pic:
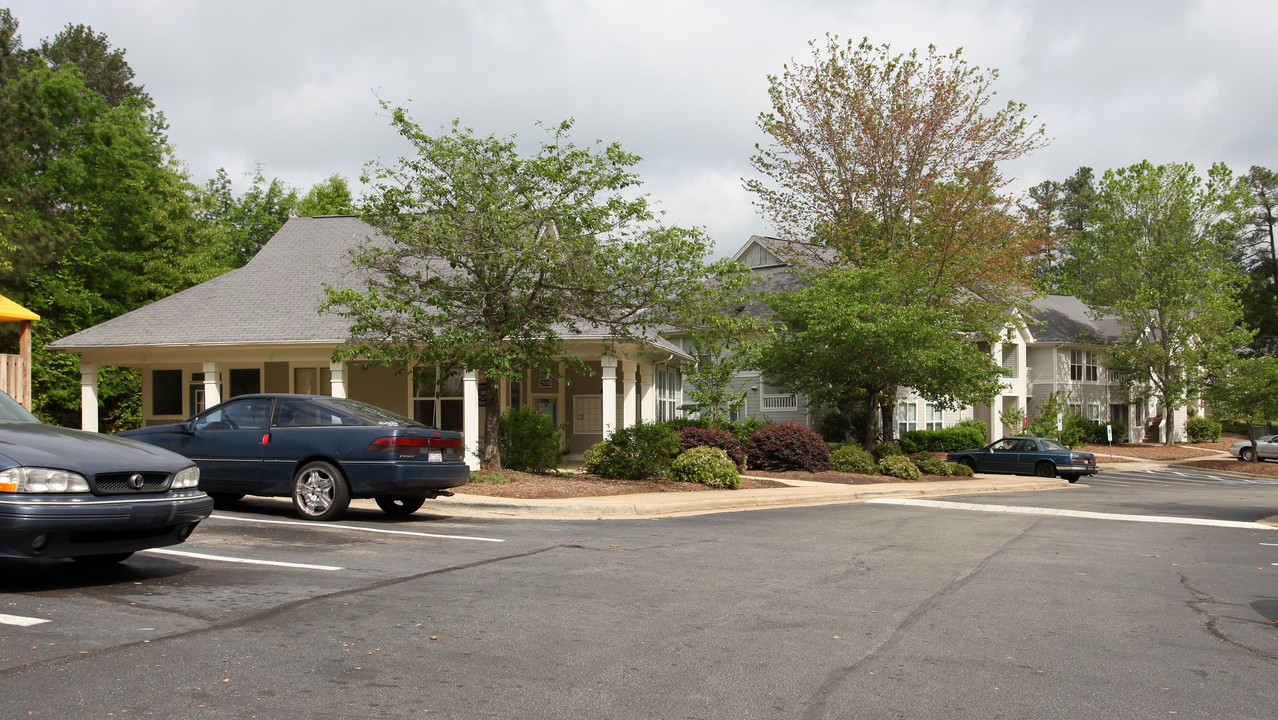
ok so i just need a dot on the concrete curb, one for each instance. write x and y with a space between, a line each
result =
652 505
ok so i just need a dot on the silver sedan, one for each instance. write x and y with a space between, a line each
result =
1266 448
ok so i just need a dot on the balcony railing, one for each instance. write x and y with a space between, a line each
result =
781 402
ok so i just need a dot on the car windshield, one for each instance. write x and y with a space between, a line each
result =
11 409
367 413
1053 445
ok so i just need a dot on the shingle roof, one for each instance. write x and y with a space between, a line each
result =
1065 319
273 299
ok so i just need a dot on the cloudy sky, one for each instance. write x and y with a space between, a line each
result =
294 85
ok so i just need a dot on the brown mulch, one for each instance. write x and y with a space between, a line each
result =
531 486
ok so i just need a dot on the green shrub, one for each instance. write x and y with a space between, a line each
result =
899 466
635 453
1202 429
852 459
960 470
884 449
979 426
528 441
788 446
930 464
706 465
958 437
692 437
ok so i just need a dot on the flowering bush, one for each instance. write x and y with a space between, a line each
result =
706 465
692 437
899 466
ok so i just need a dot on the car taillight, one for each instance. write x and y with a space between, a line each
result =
405 445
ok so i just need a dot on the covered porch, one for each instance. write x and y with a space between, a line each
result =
15 370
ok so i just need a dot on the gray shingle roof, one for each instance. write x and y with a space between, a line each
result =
1065 319
272 299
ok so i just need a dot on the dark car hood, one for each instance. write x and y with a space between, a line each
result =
37 445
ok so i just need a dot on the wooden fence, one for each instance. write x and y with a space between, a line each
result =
15 379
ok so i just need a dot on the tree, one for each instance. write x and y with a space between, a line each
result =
97 216
1158 257
1245 387
890 162
724 346
1258 255
855 335
493 257
1059 209
330 197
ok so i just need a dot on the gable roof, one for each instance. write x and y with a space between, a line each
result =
273 299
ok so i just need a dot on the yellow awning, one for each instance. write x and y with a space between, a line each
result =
11 311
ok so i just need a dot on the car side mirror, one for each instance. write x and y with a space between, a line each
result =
188 427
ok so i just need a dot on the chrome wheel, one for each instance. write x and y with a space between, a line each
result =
319 491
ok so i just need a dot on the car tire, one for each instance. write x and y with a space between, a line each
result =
969 463
1071 478
103 559
1247 454
398 504
1045 470
320 492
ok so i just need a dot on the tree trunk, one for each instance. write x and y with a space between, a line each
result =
491 457
871 426
885 412
1170 417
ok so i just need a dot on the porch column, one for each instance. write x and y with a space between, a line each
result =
24 351
647 393
212 395
627 393
88 397
609 391
337 385
470 417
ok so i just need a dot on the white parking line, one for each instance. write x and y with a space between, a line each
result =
19 620
243 561
1014 510
331 526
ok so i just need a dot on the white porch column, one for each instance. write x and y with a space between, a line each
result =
627 393
647 393
337 386
609 408
470 417
212 395
88 397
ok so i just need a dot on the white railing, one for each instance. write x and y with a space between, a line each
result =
781 402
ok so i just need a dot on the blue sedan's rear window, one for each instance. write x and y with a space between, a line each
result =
365 413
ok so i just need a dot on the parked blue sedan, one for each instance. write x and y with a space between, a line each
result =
321 451
1043 457
94 498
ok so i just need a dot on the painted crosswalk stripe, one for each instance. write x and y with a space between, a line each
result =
19 620
356 528
1014 510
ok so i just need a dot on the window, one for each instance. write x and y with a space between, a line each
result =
906 418
248 414
1092 367
935 418
1093 412
245 381
1075 364
436 402
668 382
166 392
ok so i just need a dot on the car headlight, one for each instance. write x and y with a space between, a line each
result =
42 480
186 478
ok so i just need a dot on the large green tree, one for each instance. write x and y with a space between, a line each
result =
97 216
1158 256
854 335
1246 388
891 162
1258 256
495 256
